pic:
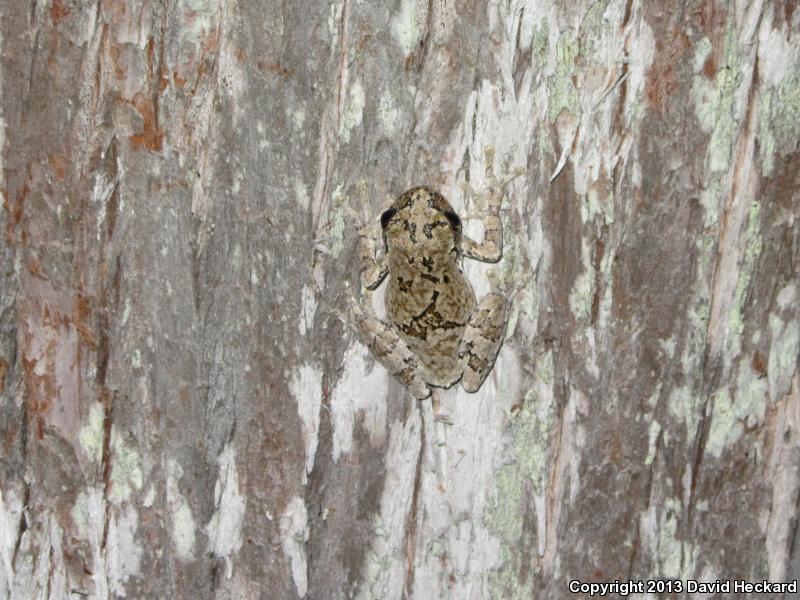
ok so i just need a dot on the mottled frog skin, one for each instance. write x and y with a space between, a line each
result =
435 332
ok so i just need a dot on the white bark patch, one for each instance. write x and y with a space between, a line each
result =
231 77
183 525
404 26
2 141
126 473
784 471
389 114
294 535
652 434
306 387
673 557
123 554
778 53
385 568
10 515
358 391
224 530
308 309
785 345
354 112
50 570
641 54
582 293
301 194
88 515
91 434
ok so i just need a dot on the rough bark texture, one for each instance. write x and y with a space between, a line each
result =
182 414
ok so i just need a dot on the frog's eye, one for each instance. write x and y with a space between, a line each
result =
387 216
455 222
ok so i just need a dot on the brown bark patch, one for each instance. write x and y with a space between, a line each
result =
709 19
114 51
662 79
80 314
151 137
3 372
758 364
276 68
58 11
35 269
58 165
14 210
710 66
50 352
179 81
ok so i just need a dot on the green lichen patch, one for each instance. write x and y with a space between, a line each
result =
676 558
516 484
786 114
595 26
753 249
540 45
724 424
562 94
714 101
728 79
746 407
779 121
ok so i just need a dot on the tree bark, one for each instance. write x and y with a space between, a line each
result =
183 414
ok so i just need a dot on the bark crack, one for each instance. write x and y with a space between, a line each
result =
106 462
329 127
637 539
23 525
713 344
410 541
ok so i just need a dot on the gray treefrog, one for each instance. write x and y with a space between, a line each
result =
435 332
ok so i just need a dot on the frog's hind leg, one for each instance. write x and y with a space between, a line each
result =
482 339
389 349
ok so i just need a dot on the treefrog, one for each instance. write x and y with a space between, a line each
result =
436 332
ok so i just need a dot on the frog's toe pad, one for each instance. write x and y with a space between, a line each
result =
471 381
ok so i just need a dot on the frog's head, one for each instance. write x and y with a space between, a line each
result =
421 222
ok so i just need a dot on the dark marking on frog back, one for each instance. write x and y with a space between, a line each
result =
428 319
412 229
428 228
405 285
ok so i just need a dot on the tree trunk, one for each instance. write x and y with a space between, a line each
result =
183 414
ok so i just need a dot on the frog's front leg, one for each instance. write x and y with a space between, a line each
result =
482 338
374 265
370 249
491 249
487 210
389 349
